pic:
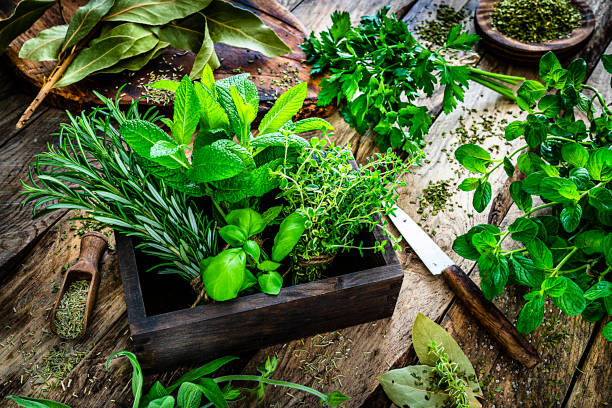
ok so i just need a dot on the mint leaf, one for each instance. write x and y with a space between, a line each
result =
211 163
482 196
523 230
531 315
493 273
572 301
142 135
186 112
285 108
473 157
540 254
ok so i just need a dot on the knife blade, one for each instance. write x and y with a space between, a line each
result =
489 316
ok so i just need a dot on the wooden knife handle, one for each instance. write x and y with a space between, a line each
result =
490 317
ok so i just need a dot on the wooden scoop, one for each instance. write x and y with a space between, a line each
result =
93 245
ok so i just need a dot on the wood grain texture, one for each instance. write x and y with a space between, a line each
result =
520 52
266 72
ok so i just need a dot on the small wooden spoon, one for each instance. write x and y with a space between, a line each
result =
93 245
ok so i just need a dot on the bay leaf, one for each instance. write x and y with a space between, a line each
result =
184 34
426 331
154 12
137 62
238 27
416 387
121 42
206 55
22 18
46 46
84 20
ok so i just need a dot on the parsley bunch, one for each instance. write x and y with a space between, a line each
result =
377 70
565 232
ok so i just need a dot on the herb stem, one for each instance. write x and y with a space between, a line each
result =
256 378
495 86
514 80
563 261
600 97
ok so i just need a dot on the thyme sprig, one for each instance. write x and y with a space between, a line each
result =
450 381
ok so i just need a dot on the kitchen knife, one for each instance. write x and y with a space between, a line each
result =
471 296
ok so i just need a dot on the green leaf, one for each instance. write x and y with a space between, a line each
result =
473 157
238 27
493 273
247 220
528 93
233 235
521 198
186 112
525 272
572 301
154 12
28 402
591 242
482 196
523 230
426 331
599 290
607 331
559 189
279 140
45 46
165 84
206 56
532 182
531 315
163 148
289 233
224 275
142 135
554 286
570 217
461 40
271 213
214 162
540 254
156 392
575 154
577 71
123 41
200 372
550 105
137 62
252 249
484 241
269 266
529 163
463 247
508 167
163 402
285 108
306 125
469 184
84 19
515 129
548 64
213 393
336 398
536 130
270 282
137 377
212 115
21 19
601 198
599 164
189 396
580 177
246 113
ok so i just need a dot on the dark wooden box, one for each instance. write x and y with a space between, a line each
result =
361 290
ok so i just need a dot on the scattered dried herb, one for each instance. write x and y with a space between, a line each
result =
71 310
435 197
435 31
536 20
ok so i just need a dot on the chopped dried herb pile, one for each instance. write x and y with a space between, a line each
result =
536 20
435 31
71 310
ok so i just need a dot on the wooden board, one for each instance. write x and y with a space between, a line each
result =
267 73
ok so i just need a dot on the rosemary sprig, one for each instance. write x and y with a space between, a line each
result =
91 169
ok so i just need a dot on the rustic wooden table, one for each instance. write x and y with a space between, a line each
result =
576 366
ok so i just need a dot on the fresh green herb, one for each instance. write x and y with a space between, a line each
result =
435 31
532 21
338 201
107 36
377 70
445 378
70 314
566 253
196 389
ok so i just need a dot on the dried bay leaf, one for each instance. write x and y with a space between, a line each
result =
206 55
416 387
121 42
84 20
154 12
426 331
46 46
238 27
184 34
138 62
22 18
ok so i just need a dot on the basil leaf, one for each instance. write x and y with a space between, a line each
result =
285 107
601 198
531 184
154 12
484 242
44 47
536 130
548 64
591 242
238 27
248 220
233 235
529 162
593 312
224 275
577 70
508 167
289 233
84 20
22 18
268 266
252 249
559 189
599 164
550 105
531 315
469 184
528 93
580 177
189 396
572 301
514 130
463 247
270 283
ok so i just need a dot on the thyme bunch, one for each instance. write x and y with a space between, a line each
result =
91 169
450 381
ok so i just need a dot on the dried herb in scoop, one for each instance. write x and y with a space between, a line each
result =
536 20
70 314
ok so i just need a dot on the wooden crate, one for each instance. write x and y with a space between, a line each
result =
251 322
